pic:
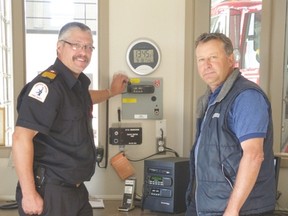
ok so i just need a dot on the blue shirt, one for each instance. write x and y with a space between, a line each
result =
246 119
249 116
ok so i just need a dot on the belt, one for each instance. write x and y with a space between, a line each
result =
63 184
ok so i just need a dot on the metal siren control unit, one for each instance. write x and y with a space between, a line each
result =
165 184
143 99
143 56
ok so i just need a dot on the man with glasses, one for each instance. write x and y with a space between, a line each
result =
53 144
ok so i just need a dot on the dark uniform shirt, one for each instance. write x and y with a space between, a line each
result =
59 107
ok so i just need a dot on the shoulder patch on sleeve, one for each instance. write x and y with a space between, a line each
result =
39 91
49 74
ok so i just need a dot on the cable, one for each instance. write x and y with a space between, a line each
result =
278 194
157 153
171 150
107 134
9 205
119 115
107 137
280 213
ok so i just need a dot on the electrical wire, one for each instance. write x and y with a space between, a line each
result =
166 149
9 205
280 213
171 150
107 134
106 138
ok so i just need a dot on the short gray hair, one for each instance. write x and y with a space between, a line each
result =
205 37
72 25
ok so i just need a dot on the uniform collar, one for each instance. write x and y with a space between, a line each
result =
67 74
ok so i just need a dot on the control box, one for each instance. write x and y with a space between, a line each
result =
165 184
125 136
143 99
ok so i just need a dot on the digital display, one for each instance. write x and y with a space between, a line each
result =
143 55
128 189
156 178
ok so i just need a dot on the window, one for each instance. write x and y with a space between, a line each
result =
241 22
6 75
43 21
284 141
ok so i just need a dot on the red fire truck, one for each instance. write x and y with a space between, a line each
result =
241 22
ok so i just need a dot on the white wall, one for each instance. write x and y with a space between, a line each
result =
162 21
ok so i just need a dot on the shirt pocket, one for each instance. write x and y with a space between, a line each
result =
73 123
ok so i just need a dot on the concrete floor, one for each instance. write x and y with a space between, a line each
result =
110 209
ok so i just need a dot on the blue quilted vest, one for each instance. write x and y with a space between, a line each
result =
219 154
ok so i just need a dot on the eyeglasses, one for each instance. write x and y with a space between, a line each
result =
77 46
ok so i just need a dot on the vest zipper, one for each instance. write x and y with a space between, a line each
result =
226 176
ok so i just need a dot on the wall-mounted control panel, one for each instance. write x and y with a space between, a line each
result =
125 136
143 99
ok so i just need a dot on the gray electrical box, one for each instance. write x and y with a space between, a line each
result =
143 99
